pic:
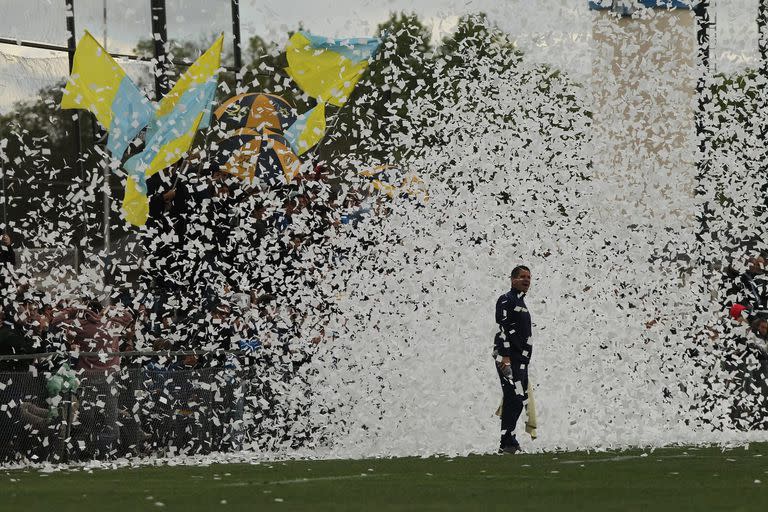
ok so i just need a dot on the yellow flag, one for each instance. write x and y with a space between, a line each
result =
94 81
181 112
135 203
307 130
328 69
185 109
203 69
100 85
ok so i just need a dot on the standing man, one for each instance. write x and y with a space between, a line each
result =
512 353
754 287
7 279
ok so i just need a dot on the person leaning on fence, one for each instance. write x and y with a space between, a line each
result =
97 329
512 354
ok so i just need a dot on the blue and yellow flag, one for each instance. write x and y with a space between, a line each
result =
328 69
185 109
180 113
100 85
307 130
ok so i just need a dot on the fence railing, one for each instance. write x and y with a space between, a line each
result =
155 403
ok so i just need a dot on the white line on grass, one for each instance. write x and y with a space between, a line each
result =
305 480
620 458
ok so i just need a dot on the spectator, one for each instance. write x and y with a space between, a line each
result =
759 327
12 342
7 262
97 329
751 287
739 313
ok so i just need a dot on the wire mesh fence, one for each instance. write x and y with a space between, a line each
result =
170 403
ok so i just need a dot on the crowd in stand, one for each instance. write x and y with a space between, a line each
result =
228 266
745 347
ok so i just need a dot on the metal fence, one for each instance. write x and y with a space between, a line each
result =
155 405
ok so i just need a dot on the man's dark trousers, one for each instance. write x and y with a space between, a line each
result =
515 394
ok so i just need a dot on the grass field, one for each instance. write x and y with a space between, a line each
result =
677 479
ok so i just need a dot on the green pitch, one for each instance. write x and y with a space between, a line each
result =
676 479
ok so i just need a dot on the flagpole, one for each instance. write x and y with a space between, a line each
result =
104 18
327 131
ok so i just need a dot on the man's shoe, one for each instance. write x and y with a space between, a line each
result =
512 449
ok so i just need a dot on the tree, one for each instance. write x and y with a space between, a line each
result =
40 163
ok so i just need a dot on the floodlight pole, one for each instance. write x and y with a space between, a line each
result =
762 47
703 24
107 191
71 46
160 37
236 34
762 35
104 19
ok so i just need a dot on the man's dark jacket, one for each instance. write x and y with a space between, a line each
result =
514 322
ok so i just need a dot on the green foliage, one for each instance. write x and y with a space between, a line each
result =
40 160
40 122
476 38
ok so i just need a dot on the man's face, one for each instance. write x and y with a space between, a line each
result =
762 328
223 183
220 314
522 281
757 265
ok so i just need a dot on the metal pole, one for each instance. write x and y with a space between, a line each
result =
762 35
762 124
703 23
702 36
107 192
236 34
5 199
71 45
65 441
104 17
160 36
